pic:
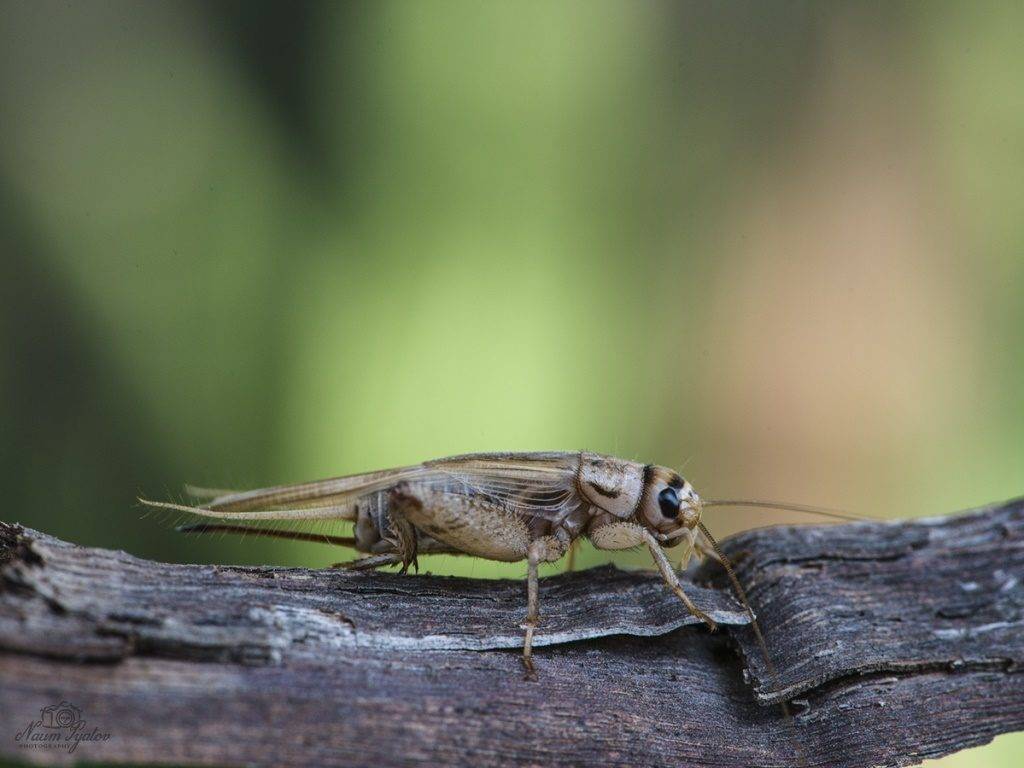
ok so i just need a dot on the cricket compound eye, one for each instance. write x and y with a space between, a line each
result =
668 501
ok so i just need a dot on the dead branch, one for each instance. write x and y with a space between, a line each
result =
894 642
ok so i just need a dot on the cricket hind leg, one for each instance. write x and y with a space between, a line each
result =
369 562
365 562
402 534
385 535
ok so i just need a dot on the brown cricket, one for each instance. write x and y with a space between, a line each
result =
499 506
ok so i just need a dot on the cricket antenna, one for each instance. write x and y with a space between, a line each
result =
785 507
742 595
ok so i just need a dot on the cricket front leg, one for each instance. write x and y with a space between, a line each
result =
622 535
546 549
669 575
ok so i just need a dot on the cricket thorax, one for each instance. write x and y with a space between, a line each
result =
610 484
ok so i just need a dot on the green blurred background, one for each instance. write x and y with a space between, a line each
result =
777 245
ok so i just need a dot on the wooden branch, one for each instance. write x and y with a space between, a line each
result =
895 642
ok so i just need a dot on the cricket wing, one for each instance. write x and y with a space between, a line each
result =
532 484
337 492
332 499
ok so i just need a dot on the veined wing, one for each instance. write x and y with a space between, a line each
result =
336 491
521 480
532 484
331 499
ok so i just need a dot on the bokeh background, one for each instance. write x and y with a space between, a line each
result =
777 245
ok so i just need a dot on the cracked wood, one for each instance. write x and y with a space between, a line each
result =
900 641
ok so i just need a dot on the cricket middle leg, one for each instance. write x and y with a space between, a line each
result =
546 549
479 527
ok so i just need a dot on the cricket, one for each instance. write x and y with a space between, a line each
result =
499 506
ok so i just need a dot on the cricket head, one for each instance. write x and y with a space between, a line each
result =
670 507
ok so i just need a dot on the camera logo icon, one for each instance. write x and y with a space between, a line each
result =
63 715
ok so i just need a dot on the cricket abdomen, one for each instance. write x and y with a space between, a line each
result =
470 524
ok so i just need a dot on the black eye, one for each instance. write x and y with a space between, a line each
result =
668 500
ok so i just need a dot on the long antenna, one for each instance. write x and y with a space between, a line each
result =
785 506
742 595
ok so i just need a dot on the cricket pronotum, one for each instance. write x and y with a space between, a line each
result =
499 506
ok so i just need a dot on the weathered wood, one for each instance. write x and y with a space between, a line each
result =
941 593
900 641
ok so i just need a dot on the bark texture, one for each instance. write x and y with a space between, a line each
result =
893 642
